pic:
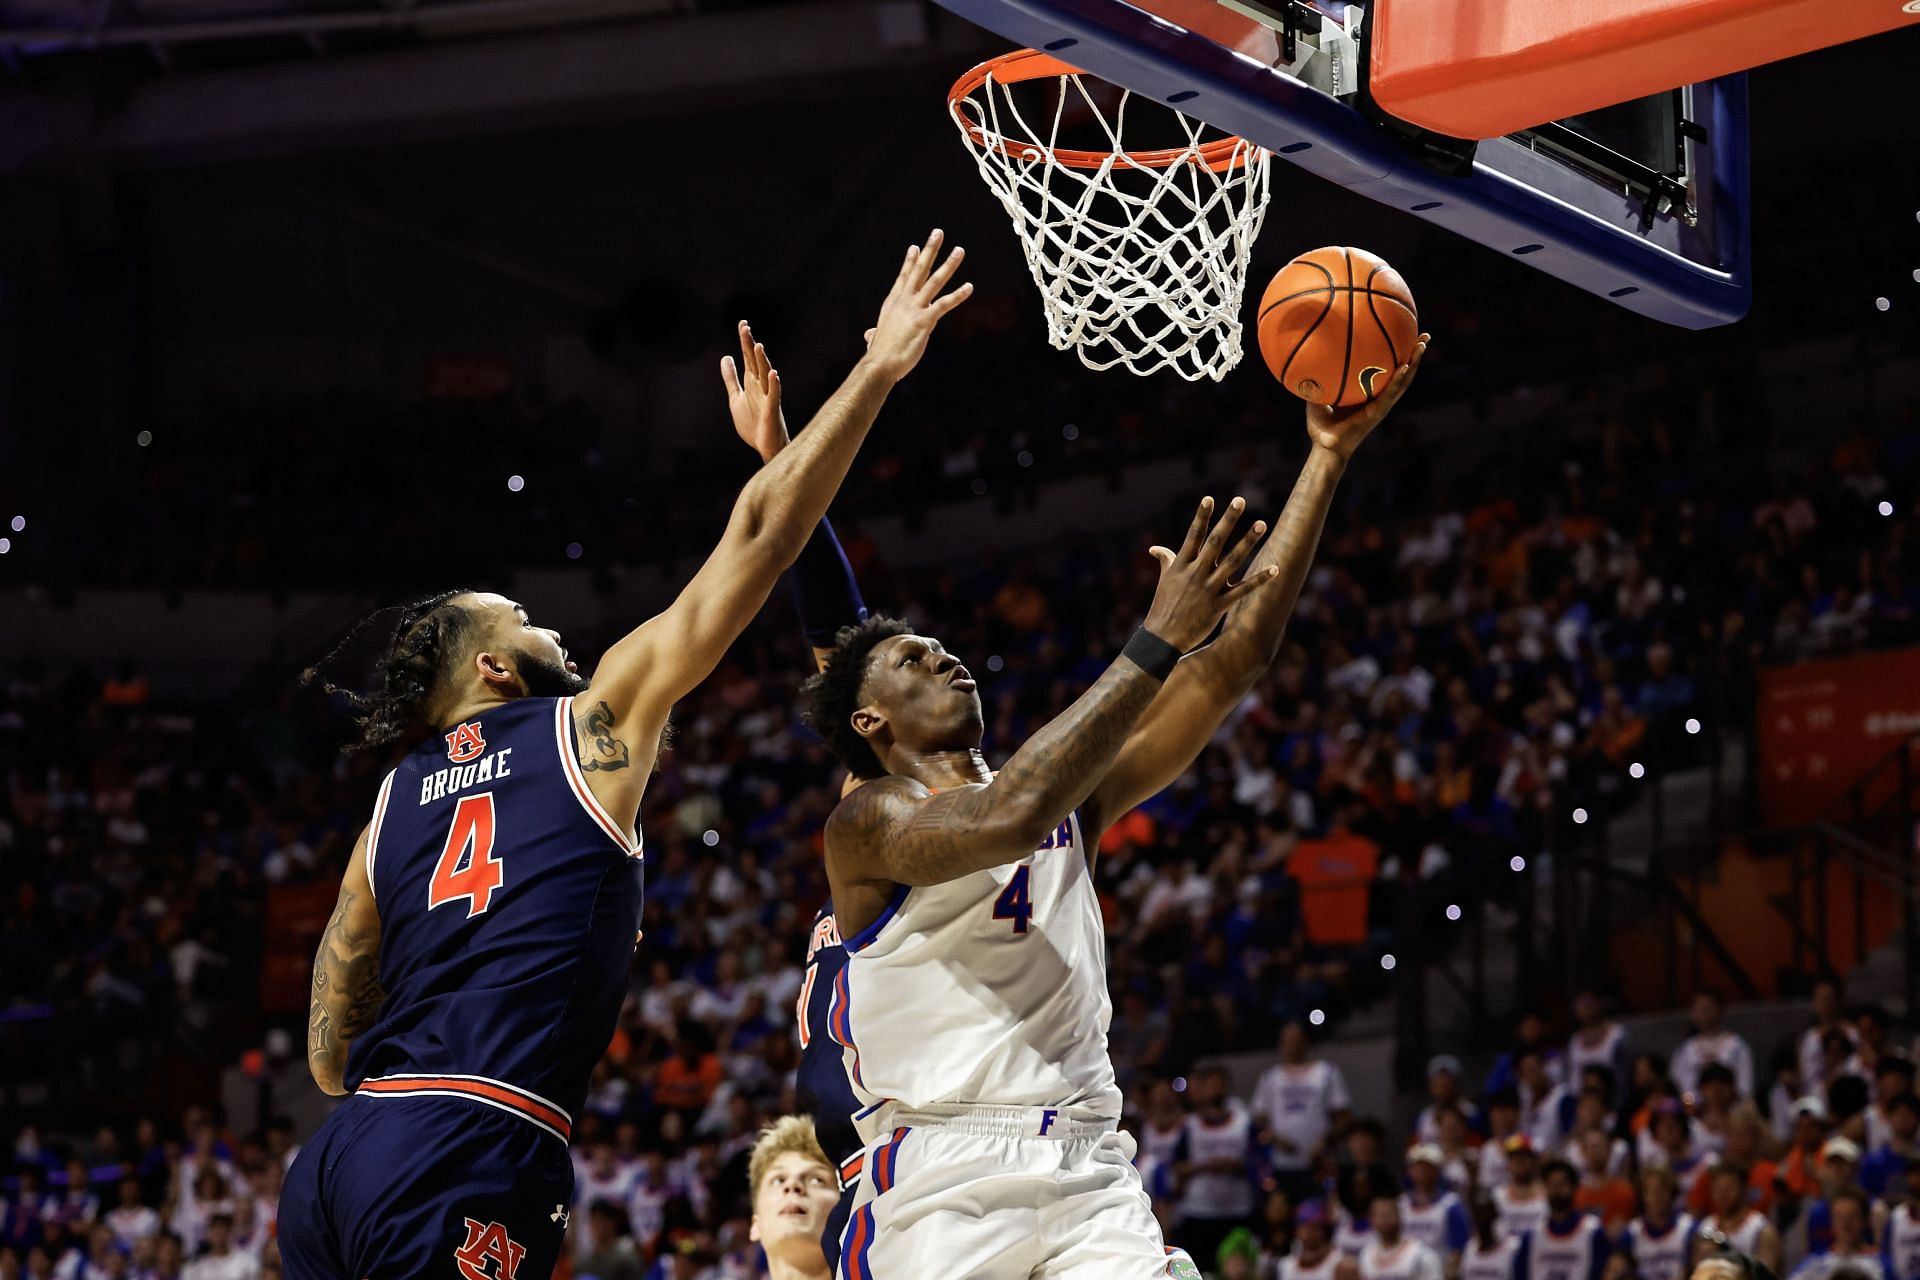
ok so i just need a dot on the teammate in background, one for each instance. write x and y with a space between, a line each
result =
794 1191
1900 1232
1711 1042
1657 1245
468 1025
1570 1245
1392 1254
1737 1223
1489 1254
1429 1212
974 1007
1852 1249
1212 1166
1298 1101
1522 1202
1313 1256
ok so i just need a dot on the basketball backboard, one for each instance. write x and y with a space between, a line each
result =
1643 203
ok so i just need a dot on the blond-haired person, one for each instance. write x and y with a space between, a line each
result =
794 1189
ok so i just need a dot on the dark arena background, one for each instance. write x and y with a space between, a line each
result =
1599 707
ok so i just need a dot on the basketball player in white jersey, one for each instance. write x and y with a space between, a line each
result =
1657 1245
1392 1254
1313 1256
1900 1237
1429 1212
973 1010
1490 1255
1569 1245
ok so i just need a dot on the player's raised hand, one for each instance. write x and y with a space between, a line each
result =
914 306
753 397
1197 584
1342 430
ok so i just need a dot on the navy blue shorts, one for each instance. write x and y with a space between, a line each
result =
438 1188
836 1224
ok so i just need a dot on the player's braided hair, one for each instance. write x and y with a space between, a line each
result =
831 697
428 640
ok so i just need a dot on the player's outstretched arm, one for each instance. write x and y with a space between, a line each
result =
1210 682
894 829
346 976
643 675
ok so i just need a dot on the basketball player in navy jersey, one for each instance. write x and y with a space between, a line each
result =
476 960
827 597
989 1106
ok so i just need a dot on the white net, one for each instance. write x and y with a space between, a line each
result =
1140 256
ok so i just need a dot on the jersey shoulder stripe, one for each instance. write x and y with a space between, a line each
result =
577 779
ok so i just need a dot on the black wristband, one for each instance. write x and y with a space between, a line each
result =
1151 654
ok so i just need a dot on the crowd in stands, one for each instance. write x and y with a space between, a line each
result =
1459 670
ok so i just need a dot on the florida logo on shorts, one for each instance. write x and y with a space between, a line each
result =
1180 1265
464 743
488 1242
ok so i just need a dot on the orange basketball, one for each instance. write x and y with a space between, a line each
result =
1335 324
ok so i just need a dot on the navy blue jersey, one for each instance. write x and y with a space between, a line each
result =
509 908
821 1084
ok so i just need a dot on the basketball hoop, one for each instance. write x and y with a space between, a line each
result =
1140 255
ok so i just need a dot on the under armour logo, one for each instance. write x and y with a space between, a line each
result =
558 1215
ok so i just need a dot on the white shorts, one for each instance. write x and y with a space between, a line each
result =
1003 1193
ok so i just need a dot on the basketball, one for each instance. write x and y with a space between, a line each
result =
1334 325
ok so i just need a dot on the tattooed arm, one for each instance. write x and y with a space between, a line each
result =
1210 682
346 977
896 831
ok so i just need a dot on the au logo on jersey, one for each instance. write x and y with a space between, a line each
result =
464 743
488 1243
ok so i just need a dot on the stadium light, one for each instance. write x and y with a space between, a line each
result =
1579 816
1317 1017
1636 770
1453 911
1517 863
1387 962
1693 726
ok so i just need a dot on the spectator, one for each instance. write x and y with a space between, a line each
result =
1597 1041
1429 1213
688 1079
1800 1166
1522 1202
1603 1192
1546 1106
1900 1233
132 1220
1734 1222
1746 1149
1391 1255
1881 1171
1459 1159
1827 1003
1443 1092
610 1253
1657 1245
219 1260
1297 1102
1711 1042
1570 1242
1212 1165
1851 1249
1892 1078
1503 1121
1490 1253
1313 1256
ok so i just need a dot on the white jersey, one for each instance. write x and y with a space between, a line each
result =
1441 1223
1901 1252
1661 1255
1218 1195
1604 1052
1407 1260
1291 1268
1515 1217
1502 1262
1745 1236
1298 1103
989 989
1578 1253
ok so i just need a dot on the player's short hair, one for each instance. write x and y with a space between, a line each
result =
788 1133
429 639
831 697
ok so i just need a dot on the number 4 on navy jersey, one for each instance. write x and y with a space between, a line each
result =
1015 902
467 868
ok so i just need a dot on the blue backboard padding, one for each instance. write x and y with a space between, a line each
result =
1580 240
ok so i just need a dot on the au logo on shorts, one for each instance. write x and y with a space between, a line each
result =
488 1243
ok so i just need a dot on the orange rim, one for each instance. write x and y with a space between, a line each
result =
1030 64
